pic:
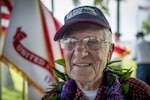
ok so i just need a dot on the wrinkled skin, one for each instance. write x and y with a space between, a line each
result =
86 66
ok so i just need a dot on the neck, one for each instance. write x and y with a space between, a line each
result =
89 85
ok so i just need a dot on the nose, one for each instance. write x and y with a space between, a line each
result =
80 50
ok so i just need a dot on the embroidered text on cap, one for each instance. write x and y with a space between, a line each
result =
80 11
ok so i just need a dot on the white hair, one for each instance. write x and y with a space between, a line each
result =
108 34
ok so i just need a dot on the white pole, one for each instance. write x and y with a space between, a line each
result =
23 90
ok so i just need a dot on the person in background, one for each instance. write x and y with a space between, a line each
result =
141 54
120 49
86 40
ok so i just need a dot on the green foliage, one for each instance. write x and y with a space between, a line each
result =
146 26
111 62
112 80
102 4
122 73
125 76
61 62
125 88
11 94
116 72
53 98
56 87
58 74
76 2
16 94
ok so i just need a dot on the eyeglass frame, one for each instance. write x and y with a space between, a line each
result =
100 42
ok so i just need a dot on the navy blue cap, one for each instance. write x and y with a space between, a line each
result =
82 14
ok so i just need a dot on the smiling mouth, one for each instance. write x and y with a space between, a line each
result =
82 65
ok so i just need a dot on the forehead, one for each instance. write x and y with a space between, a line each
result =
84 27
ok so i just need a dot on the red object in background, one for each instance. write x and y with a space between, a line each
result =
121 52
119 49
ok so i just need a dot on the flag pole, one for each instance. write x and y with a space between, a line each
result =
118 16
23 89
52 6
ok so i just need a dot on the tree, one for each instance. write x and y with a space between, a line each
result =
102 4
146 26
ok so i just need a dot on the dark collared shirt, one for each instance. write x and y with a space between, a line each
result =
138 90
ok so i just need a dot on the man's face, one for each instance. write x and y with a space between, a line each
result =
85 64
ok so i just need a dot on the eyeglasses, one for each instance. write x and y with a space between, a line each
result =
90 43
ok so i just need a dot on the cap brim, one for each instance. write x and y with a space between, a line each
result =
59 34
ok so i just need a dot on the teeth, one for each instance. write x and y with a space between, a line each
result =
82 64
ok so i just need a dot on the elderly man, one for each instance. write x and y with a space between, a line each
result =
86 40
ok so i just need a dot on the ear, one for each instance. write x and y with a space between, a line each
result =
111 49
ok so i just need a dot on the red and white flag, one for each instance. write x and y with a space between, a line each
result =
29 47
5 15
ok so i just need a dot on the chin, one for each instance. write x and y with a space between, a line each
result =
82 79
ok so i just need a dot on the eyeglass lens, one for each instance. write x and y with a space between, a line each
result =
91 43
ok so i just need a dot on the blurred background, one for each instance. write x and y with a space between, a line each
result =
125 16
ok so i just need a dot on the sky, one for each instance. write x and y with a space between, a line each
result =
130 16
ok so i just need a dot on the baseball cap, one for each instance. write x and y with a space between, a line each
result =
82 14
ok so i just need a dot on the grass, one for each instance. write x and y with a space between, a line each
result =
16 93
130 64
11 94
